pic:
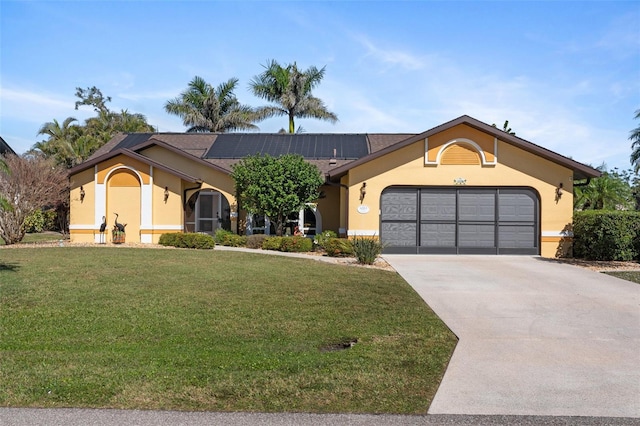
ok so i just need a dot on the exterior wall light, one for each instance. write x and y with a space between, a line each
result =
166 194
363 191
559 191
82 194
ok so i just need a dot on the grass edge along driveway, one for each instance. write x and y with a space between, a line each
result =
212 330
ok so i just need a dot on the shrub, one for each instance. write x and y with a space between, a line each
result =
296 244
322 238
221 234
366 249
228 238
35 222
169 239
188 240
272 243
606 235
255 241
337 247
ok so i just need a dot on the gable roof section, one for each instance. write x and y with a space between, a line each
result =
580 171
221 150
310 146
5 148
178 150
131 154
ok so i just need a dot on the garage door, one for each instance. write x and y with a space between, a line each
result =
460 220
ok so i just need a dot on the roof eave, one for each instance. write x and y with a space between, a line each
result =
127 152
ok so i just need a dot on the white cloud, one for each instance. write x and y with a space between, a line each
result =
392 57
34 106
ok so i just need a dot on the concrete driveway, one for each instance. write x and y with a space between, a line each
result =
536 337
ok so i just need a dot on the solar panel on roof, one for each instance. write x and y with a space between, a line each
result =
320 146
132 140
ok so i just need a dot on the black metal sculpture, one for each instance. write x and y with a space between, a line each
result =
119 226
103 227
118 232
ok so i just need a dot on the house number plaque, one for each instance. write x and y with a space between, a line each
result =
363 209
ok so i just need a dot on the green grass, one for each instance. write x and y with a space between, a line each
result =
39 238
212 330
633 276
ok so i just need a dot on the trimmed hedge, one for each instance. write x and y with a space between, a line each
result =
322 238
188 240
606 235
296 244
338 247
228 238
255 241
272 243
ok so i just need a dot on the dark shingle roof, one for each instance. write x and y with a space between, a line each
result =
221 151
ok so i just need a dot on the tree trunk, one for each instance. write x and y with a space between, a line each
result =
292 126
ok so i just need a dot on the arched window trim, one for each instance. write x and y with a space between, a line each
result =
461 141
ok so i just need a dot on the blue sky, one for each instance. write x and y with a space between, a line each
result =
565 74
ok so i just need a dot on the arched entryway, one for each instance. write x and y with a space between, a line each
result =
123 198
207 211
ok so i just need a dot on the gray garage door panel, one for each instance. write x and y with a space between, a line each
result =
399 205
516 207
519 236
460 220
476 236
438 235
399 234
476 206
438 205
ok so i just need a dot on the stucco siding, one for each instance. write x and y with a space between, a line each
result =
515 168
329 208
82 225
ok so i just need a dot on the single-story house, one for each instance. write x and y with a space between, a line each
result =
461 187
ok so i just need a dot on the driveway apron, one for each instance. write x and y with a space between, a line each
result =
536 337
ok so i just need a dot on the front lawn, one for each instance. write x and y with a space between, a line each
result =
212 330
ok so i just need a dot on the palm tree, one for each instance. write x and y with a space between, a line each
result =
635 145
506 128
204 108
290 90
611 191
131 123
60 142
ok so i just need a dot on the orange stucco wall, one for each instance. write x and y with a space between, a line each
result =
505 165
514 167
